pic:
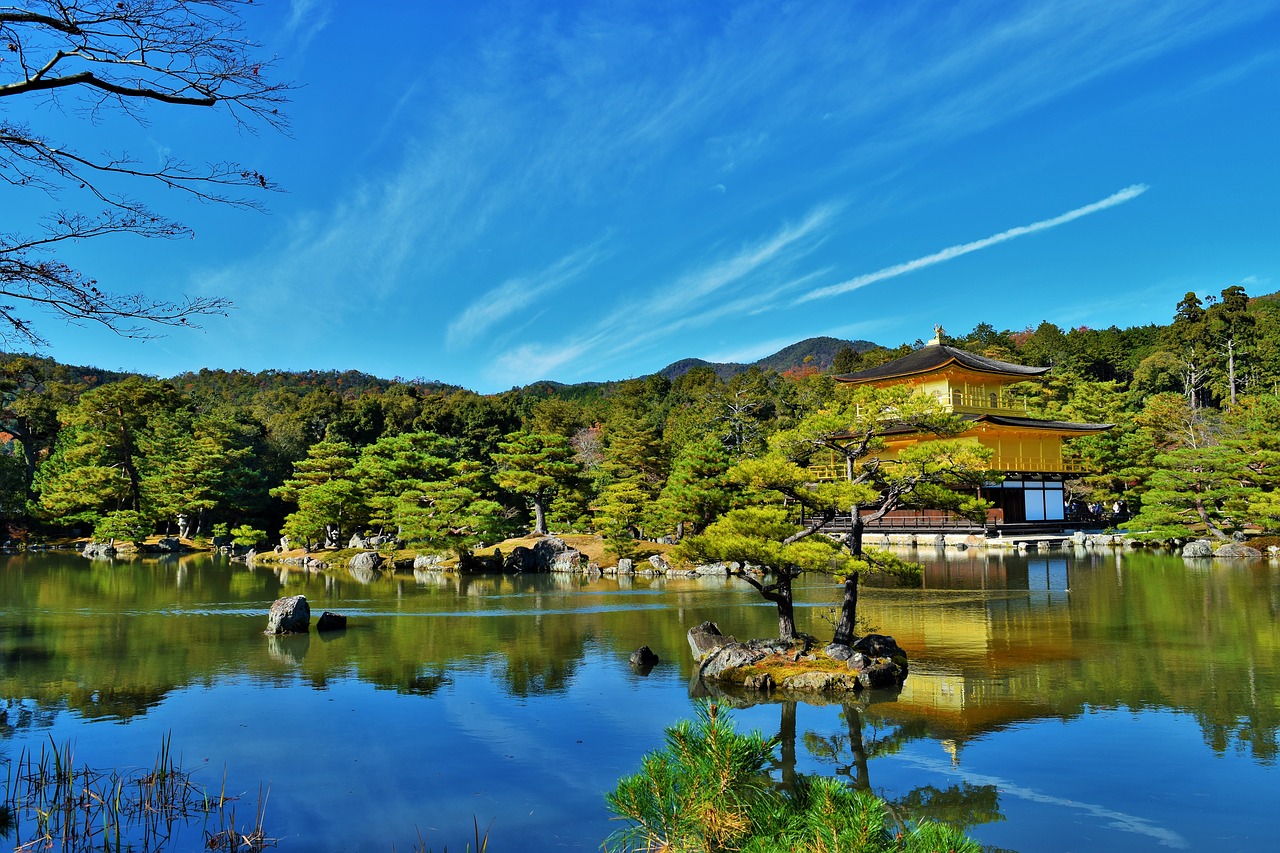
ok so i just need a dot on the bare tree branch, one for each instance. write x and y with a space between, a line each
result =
123 56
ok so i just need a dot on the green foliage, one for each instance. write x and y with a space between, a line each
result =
699 488
621 517
454 514
536 466
124 524
654 455
707 790
247 537
101 450
1208 473
13 485
396 464
758 535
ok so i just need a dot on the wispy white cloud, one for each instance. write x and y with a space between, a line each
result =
721 288
1123 821
306 19
555 127
514 296
952 252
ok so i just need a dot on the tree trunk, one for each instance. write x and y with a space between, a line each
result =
787 740
539 516
848 612
848 620
856 746
786 609
1231 369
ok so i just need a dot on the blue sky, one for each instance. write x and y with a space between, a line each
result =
494 193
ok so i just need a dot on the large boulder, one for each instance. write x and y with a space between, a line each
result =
882 673
290 615
705 639
885 661
366 561
1232 549
568 561
426 562
838 651
877 646
729 656
550 545
626 567
520 561
1198 548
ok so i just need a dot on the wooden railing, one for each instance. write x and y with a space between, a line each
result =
960 401
924 519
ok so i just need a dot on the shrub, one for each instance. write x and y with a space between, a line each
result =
247 536
125 524
707 790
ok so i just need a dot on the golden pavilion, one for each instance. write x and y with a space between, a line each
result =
1027 451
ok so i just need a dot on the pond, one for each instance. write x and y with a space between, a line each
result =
1064 701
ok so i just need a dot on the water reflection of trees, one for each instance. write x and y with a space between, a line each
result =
113 639
848 753
1031 637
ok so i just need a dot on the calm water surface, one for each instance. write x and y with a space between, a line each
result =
1070 701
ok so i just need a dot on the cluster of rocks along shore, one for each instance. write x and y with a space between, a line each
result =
552 554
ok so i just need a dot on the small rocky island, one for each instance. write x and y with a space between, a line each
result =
797 666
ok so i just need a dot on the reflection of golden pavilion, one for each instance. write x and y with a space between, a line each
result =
995 641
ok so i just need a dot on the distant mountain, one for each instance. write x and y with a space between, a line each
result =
820 352
723 369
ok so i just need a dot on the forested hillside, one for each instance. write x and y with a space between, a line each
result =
321 454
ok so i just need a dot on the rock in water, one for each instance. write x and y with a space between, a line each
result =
368 561
1236 550
520 560
331 622
291 615
98 550
643 659
1198 548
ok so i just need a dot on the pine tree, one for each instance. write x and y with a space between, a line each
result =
536 466
394 465
699 488
324 489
